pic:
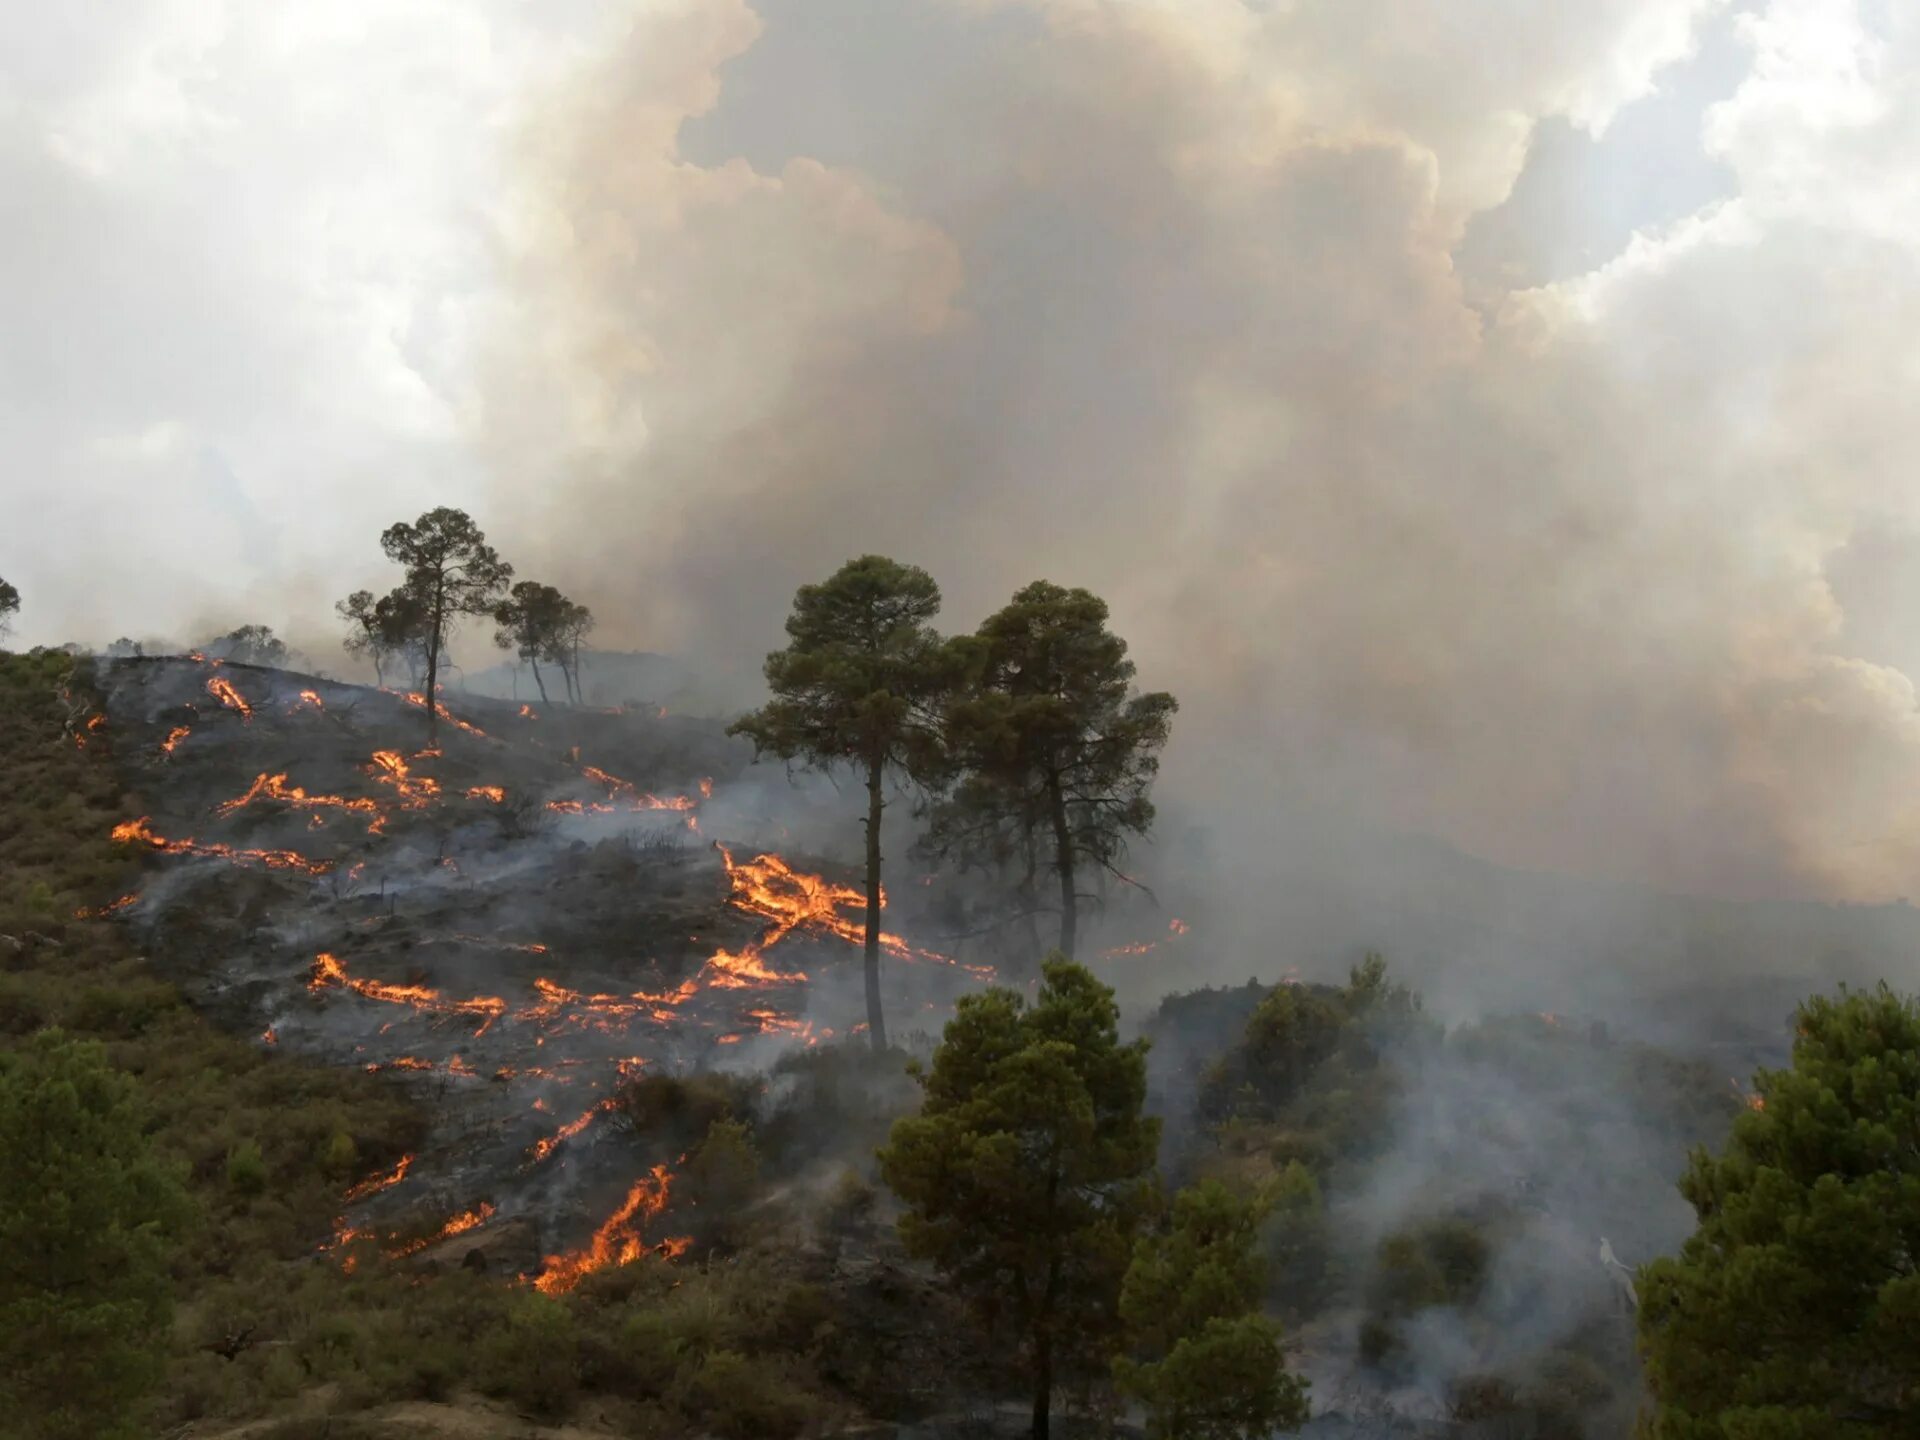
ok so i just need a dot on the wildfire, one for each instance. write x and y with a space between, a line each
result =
309 697
526 713
549 1143
377 1183
95 912
269 1036
420 700
459 1225
275 787
390 768
141 832
618 1241
174 737
327 972
495 793
222 690
1176 927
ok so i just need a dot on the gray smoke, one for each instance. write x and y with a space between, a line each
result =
1168 301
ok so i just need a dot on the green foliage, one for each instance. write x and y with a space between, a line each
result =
1794 1309
246 1169
722 1178
533 1358
1205 1363
1056 753
85 1210
341 1157
1295 1238
859 684
1027 1169
1440 1262
860 671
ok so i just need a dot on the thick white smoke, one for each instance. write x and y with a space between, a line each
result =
1161 299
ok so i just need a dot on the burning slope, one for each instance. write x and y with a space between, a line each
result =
452 943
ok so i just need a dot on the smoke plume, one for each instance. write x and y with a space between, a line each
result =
1586 573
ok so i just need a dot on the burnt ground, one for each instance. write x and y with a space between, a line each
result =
510 923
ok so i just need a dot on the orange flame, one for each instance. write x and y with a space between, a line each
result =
275 787
417 699
495 793
548 1144
141 832
327 972
222 690
618 1241
377 1183
95 912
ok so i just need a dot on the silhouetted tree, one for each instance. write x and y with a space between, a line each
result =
9 605
530 623
1027 1170
84 1215
859 684
451 572
1056 753
249 645
401 626
360 612
125 648
575 622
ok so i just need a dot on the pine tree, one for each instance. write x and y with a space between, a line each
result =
859 685
1794 1309
1028 1167
1205 1363
1056 752
84 1215
451 572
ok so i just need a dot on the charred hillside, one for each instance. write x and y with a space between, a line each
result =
517 921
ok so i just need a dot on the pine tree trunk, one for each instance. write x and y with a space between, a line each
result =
876 803
433 664
1063 863
537 680
1042 1389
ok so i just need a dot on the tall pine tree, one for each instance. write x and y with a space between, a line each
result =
859 685
1055 751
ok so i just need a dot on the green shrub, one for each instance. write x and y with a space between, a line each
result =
739 1398
341 1157
533 1357
246 1169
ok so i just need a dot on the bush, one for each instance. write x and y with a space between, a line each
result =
342 1156
739 1398
533 1358
246 1169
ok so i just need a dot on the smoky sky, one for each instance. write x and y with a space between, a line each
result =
1492 420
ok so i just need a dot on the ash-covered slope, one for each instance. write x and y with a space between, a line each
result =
516 918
